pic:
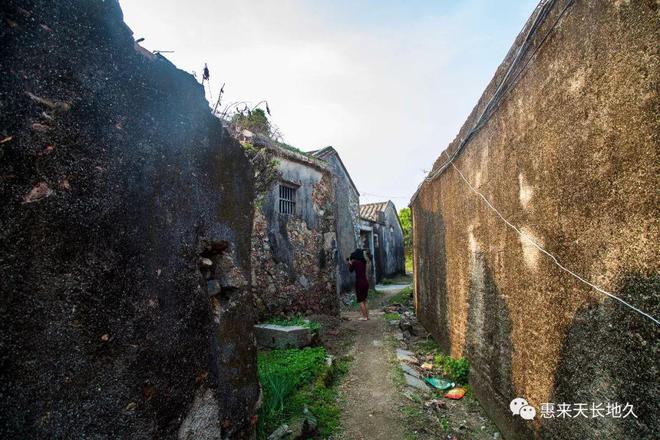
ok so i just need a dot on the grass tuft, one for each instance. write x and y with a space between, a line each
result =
294 379
298 320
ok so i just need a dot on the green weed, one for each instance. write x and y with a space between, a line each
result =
294 379
295 320
457 370
403 297
392 316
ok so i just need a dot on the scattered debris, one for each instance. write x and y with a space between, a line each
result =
280 432
427 366
455 393
435 404
105 337
329 360
39 192
441 384
6 139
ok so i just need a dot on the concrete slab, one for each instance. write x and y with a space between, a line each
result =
405 355
407 369
413 382
280 336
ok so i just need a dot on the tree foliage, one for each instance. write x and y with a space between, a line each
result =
406 224
255 120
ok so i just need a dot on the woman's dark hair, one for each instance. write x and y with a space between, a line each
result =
358 254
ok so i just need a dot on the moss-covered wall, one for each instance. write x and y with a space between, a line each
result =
570 156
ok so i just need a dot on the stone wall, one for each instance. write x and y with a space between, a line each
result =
293 265
570 156
114 180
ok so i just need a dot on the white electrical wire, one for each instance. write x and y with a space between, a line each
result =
552 257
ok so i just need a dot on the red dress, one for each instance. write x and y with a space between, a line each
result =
361 281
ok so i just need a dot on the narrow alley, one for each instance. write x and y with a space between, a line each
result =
199 203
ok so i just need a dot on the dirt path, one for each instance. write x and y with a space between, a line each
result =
369 394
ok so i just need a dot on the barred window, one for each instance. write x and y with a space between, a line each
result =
287 200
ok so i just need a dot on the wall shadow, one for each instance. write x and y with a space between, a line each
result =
489 349
609 355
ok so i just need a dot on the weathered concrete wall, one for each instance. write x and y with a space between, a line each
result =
347 222
293 264
570 156
390 254
110 170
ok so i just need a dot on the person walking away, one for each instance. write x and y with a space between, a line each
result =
358 264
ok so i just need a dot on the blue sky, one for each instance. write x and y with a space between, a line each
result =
387 83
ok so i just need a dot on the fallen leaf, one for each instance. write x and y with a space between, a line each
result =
7 139
46 28
105 337
226 423
49 149
131 406
39 192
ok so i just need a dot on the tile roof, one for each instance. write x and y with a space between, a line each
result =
370 211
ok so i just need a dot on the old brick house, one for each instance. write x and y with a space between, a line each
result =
383 237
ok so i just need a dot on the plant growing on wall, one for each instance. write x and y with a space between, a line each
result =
254 120
265 169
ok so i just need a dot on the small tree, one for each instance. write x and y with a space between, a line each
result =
255 120
406 224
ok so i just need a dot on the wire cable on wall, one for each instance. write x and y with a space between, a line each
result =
548 254
509 80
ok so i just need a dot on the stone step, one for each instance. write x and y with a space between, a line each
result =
280 336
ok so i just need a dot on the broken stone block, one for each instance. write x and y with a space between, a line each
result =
414 382
407 369
280 336
405 355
